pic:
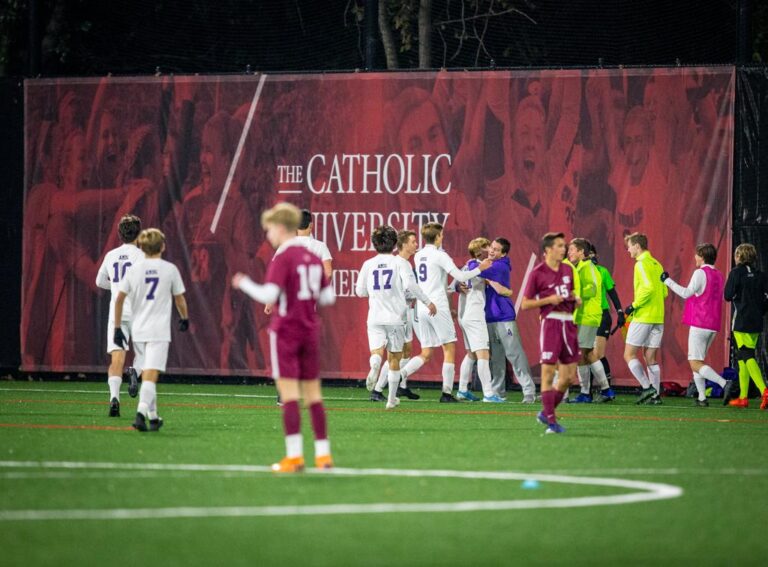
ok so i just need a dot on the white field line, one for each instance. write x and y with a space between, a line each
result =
520 292
644 492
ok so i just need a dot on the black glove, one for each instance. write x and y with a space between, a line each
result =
620 318
628 310
183 325
664 276
119 338
594 260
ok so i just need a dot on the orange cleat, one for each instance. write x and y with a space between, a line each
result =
764 403
289 465
739 403
324 462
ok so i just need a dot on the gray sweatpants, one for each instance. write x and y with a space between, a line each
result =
505 343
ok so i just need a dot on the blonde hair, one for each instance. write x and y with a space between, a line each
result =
745 254
283 214
430 232
476 245
151 241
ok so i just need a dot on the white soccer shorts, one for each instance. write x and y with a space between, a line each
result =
409 324
126 327
587 336
475 335
645 334
152 355
435 331
390 337
699 341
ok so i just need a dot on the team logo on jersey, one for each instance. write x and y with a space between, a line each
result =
566 279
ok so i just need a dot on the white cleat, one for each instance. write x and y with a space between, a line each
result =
393 405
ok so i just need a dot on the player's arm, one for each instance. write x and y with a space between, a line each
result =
731 286
459 275
644 290
102 277
536 303
327 296
502 290
361 285
119 302
411 286
181 308
695 286
328 268
589 285
266 293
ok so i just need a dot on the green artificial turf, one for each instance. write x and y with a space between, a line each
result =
717 455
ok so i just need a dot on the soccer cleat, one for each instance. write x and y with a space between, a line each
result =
646 394
606 395
528 400
729 391
654 401
155 424
279 402
371 379
130 375
702 404
739 403
764 402
554 428
467 396
493 399
114 408
448 399
289 465
542 419
378 396
324 462
393 405
140 424
407 393
582 399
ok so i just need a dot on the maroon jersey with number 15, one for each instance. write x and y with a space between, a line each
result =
544 281
299 275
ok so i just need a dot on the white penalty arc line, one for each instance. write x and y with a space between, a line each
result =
646 492
238 151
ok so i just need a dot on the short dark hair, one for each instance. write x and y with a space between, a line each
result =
306 219
549 239
504 244
384 239
708 252
129 228
582 244
403 237
430 232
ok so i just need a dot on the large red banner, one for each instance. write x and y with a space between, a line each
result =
596 154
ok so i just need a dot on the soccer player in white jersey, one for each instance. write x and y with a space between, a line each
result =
149 286
433 266
317 247
383 279
113 269
474 329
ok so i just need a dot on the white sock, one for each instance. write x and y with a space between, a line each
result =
294 445
403 378
147 395
584 378
322 447
701 386
484 373
637 370
599 371
712 376
465 373
152 413
449 369
375 363
654 372
412 367
114 387
394 380
382 377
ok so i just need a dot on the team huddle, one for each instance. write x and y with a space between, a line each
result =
569 288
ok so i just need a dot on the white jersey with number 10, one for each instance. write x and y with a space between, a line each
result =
113 270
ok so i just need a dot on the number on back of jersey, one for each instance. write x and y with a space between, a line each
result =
310 280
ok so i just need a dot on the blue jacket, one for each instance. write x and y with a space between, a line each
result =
498 308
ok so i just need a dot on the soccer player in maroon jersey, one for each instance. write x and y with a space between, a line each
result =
296 283
550 288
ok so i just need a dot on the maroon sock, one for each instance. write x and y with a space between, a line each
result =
558 397
291 418
319 426
548 401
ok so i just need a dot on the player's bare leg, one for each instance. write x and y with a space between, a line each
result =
147 408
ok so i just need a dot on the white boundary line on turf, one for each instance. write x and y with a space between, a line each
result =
646 492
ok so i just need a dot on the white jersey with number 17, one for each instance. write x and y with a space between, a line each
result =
384 279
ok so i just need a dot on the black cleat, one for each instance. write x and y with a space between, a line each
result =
141 422
114 408
646 395
155 424
654 401
408 393
377 396
730 391
130 375
702 403
448 399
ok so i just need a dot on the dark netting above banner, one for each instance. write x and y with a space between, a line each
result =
597 154
750 203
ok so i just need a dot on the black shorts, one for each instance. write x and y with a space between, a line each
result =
606 323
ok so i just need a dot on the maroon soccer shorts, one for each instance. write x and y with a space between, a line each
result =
559 341
294 356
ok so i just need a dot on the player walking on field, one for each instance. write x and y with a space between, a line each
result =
433 266
647 326
703 314
295 283
384 280
149 287
112 271
747 289
550 289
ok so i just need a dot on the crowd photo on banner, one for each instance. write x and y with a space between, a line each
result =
462 185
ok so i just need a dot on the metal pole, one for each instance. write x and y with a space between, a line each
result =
371 27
